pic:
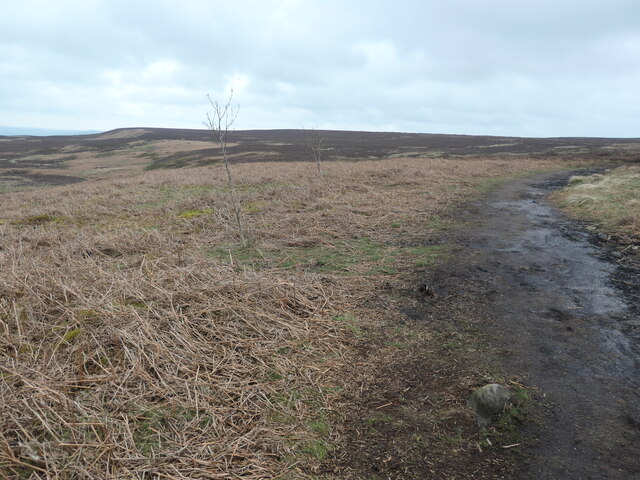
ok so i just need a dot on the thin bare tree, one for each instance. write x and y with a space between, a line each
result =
315 143
220 121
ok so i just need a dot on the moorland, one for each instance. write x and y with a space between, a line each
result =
140 339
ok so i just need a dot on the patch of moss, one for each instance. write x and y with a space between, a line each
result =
25 348
87 314
137 304
37 220
342 258
349 321
195 213
147 423
252 207
71 334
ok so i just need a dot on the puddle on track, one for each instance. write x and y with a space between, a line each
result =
560 320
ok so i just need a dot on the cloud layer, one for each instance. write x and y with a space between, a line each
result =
529 68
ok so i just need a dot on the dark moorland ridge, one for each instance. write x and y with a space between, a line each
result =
290 145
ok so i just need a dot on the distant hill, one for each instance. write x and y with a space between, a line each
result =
290 145
153 148
42 131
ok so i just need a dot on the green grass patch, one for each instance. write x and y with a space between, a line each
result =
146 429
305 407
252 207
426 256
318 449
343 258
195 213
351 323
320 426
38 220
87 314
71 334
440 224
150 424
291 399
338 258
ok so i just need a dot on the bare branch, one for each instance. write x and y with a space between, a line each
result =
219 122
315 143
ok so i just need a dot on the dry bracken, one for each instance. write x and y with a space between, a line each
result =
138 342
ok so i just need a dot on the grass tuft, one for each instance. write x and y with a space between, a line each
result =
611 200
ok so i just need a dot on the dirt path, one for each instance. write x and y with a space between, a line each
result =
559 320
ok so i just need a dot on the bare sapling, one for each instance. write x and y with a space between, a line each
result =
315 144
220 121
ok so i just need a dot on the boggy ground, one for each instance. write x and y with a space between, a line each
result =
530 298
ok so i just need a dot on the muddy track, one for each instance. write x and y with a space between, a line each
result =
559 319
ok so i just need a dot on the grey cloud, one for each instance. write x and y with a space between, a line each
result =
494 67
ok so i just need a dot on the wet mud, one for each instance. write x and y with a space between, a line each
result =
563 313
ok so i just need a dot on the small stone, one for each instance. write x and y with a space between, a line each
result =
488 402
427 290
616 254
604 237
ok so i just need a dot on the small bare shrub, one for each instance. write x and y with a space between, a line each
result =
222 119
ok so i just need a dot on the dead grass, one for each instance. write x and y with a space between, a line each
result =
138 341
611 200
132 157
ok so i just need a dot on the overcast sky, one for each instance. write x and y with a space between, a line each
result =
497 67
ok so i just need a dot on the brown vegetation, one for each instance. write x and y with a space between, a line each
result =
138 340
124 151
